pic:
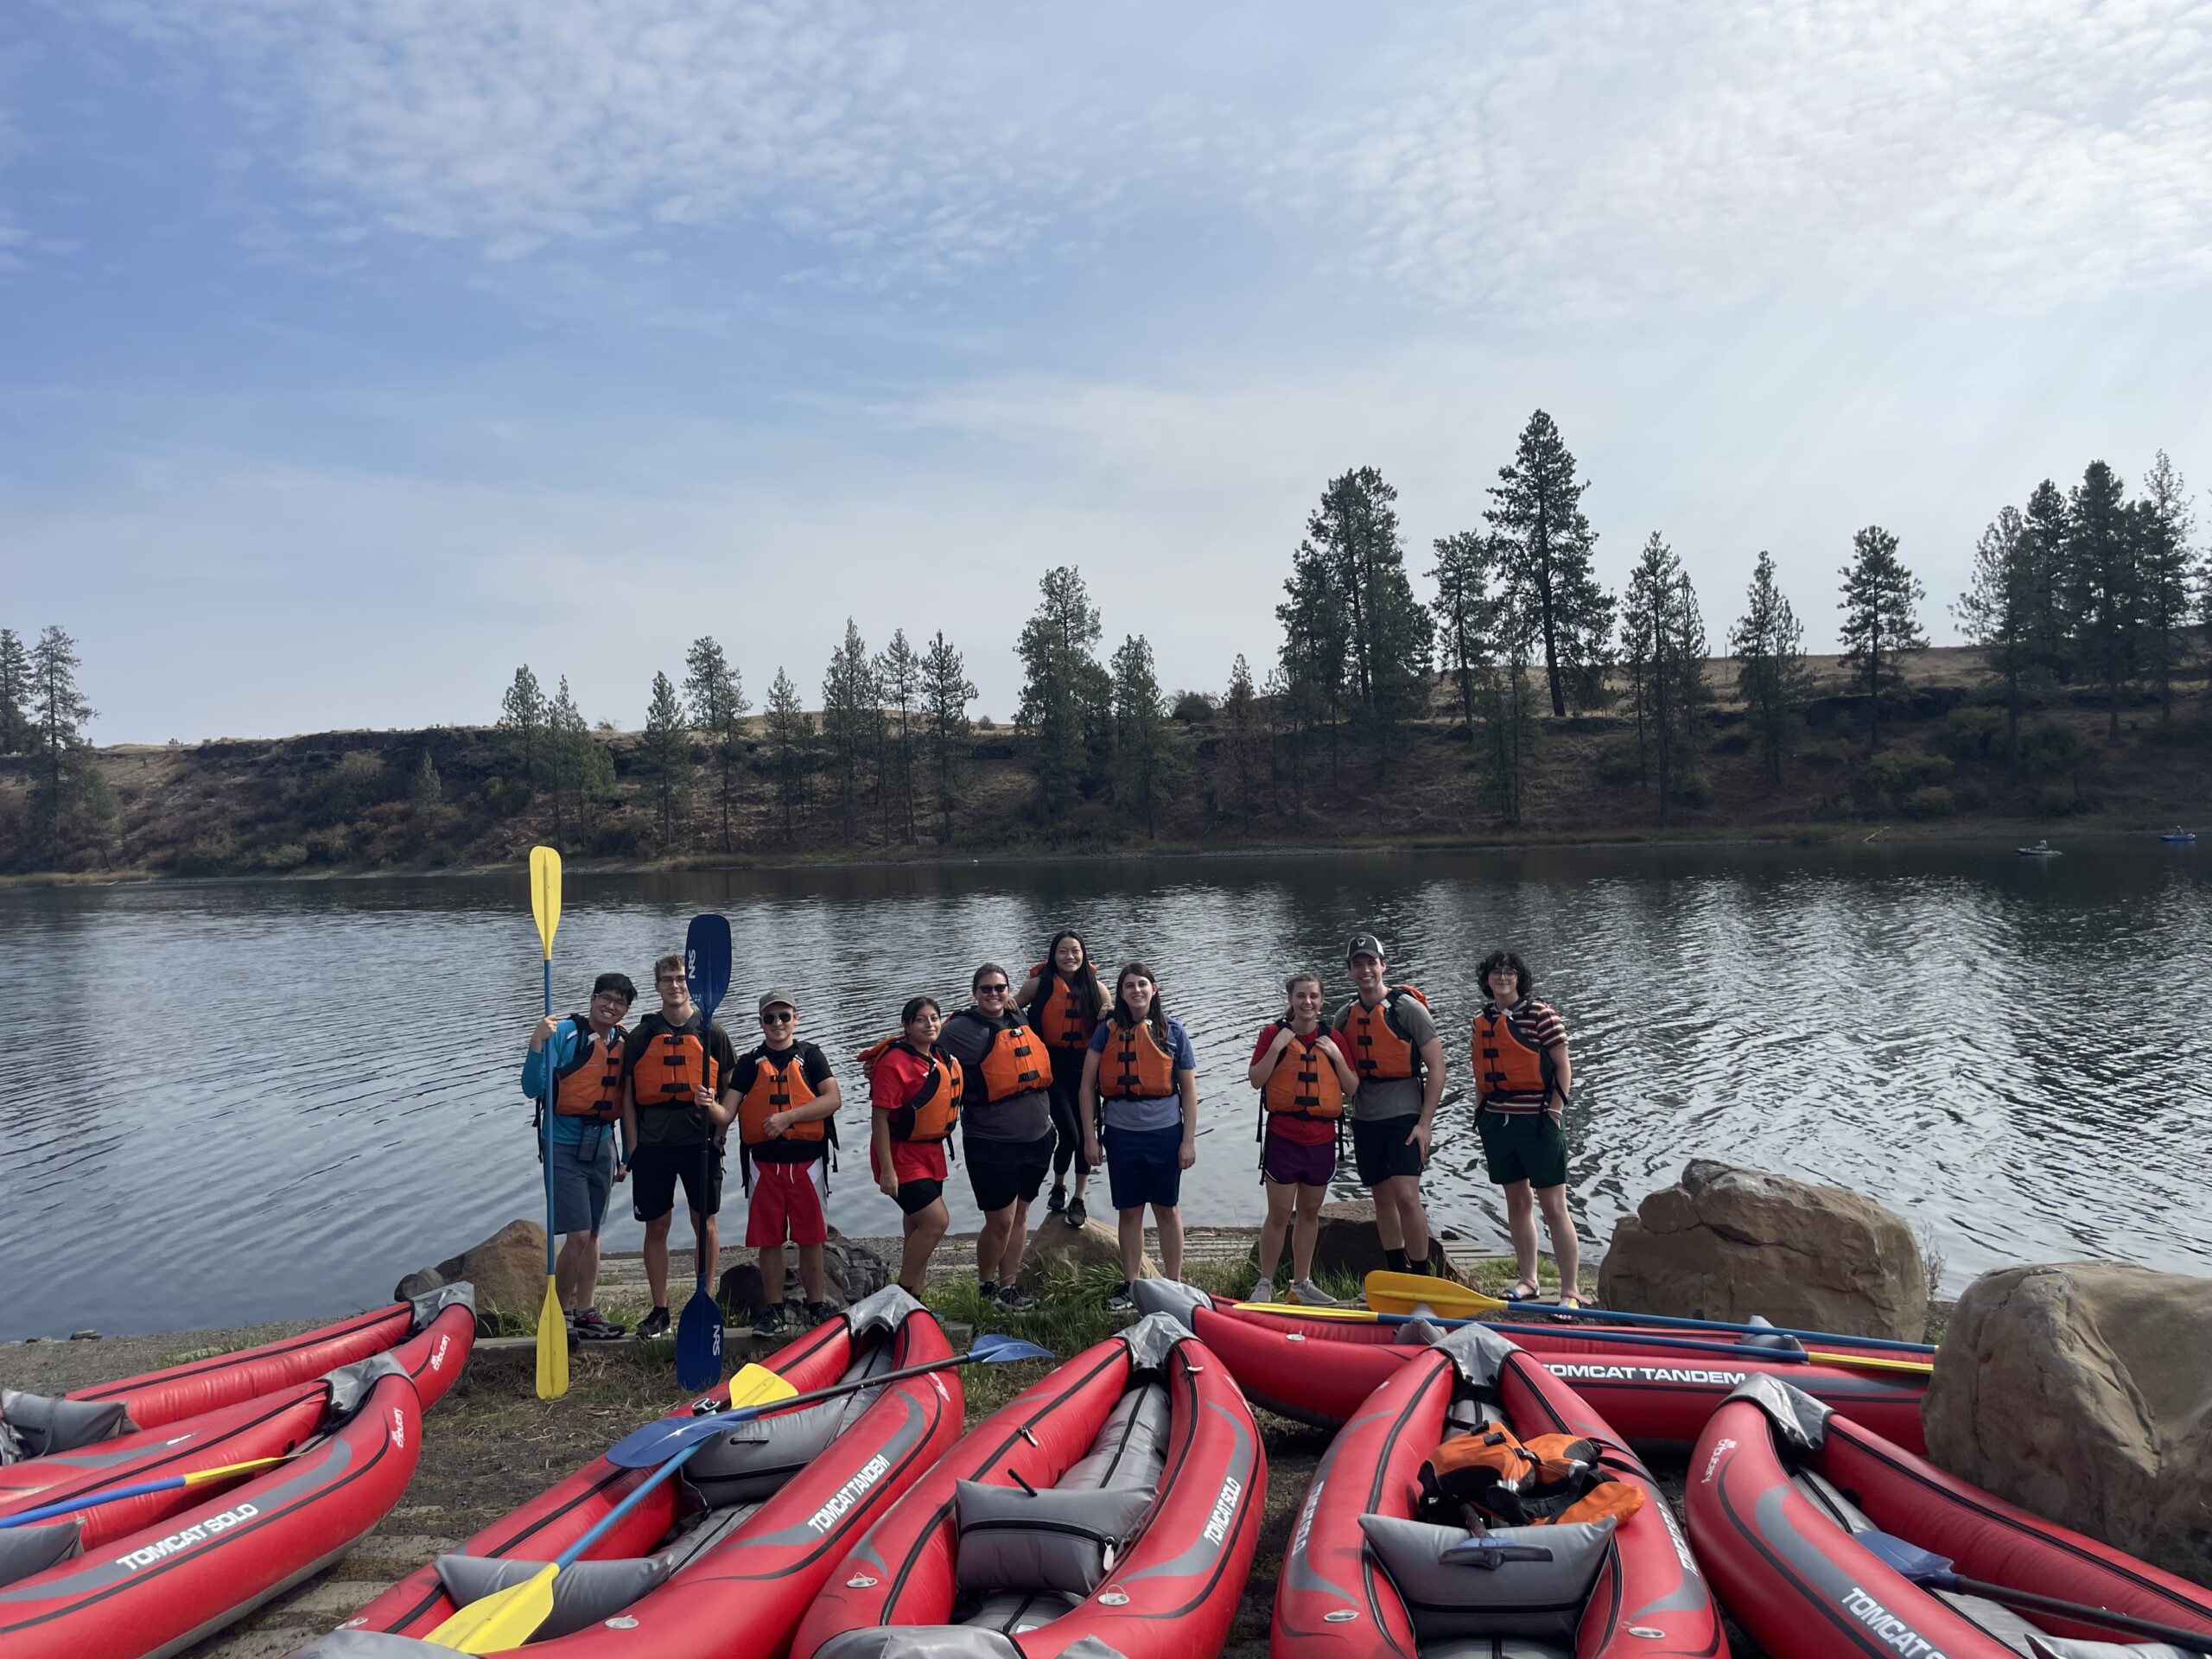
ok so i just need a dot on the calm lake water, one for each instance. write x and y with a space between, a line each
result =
260 1100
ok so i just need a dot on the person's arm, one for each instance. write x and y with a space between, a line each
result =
886 1174
827 1098
1263 1068
1432 1090
1021 998
1186 1085
629 1117
1086 1106
1562 1073
1345 1075
722 1107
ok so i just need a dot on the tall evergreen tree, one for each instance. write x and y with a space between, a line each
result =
72 806
425 789
2106 596
665 758
1771 672
1507 701
1997 613
1066 690
1547 544
2165 561
14 694
1242 741
1664 634
1316 656
899 672
1881 618
2044 544
582 770
852 715
522 717
1145 756
1465 614
790 745
946 693
714 692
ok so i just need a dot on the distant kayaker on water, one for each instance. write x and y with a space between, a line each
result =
1388 1036
1064 1002
786 1100
1303 1081
1005 1126
916 1093
1521 1081
677 1103
1141 1070
584 1053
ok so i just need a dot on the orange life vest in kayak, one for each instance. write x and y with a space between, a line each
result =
1064 1021
1510 1076
932 1111
1551 1480
673 1065
590 1085
1013 1064
1133 1065
776 1088
1304 1084
1377 1048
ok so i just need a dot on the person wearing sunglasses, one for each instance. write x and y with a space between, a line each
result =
786 1107
1005 1125
579 1059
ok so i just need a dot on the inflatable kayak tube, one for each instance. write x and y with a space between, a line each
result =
270 1425
722 1559
1363 1579
1319 1370
32 1425
1780 1487
1110 1508
163 1587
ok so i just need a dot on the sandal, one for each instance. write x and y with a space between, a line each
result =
1568 1302
1531 1293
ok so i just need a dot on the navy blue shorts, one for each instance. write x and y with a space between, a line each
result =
1141 1167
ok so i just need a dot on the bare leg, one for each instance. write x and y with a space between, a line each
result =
1389 1231
1521 1222
813 1281
707 1253
1017 1240
1564 1245
771 1274
1129 1224
1413 1220
656 1257
922 1229
1168 1218
1280 1200
990 1244
1306 1233
574 1269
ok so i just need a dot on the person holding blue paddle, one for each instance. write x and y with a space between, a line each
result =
676 1101
580 1059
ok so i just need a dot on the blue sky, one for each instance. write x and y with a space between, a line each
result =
353 352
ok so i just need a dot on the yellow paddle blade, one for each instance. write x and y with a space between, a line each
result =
756 1385
1920 1367
229 1469
1292 1311
506 1618
545 893
552 1345
1409 1293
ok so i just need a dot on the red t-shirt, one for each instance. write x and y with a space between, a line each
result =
1298 1131
892 1082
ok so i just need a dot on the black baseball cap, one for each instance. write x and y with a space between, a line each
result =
1365 944
770 999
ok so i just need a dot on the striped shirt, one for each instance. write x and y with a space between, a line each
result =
1535 1025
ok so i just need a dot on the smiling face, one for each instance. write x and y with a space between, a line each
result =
1135 992
1367 976
1306 1003
1067 956
675 995
922 1029
1505 987
607 1008
778 1022
991 991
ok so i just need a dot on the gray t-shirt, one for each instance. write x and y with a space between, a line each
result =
1381 1098
1018 1117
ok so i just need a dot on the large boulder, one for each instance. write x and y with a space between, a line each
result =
1726 1242
852 1270
1055 1247
1347 1243
2082 1390
508 1270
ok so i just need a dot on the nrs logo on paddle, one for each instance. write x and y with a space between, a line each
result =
164 1549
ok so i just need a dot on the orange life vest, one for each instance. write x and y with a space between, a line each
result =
1551 1480
932 1111
1510 1076
1013 1064
1064 1021
673 1065
1304 1084
1134 1066
776 1088
591 1084
1378 1048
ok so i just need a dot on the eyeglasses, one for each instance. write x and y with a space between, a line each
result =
778 1017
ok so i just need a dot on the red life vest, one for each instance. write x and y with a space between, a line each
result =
1376 1047
1304 1084
1133 1065
590 1085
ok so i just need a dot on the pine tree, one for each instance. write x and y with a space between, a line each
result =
2106 593
714 691
1881 620
1507 702
1242 739
1547 545
14 694
946 693
1465 614
72 806
2165 559
790 745
1664 636
1316 656
522 717
1771 672
426 790
1063 691
2044 550
852 716
899 672
582 770
665 758
1997 613
1145 757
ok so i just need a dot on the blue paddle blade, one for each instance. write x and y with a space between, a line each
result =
706 962
656 1443
1907 1560
1005 1350
699 1342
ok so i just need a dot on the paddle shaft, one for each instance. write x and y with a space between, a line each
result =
2194 1641
546 1110
568 1557
142 1489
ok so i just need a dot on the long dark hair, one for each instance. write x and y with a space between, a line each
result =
1090 994
1158 1016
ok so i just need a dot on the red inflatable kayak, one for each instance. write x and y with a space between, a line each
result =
1111 1508
724 1561
41 1423
1363 1579
1780 1493
1318 1370
270 1425
164 1586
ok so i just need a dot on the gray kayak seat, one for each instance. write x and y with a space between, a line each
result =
1014 1613
757 1458
1526 1582
1494 1647
1418 1333
431 1303
1130 1452
45 1423
1826 1496
582 1594
1170 1296
2041 1646
350 1384
368 1644
1479 1352
1053 1539
26 1550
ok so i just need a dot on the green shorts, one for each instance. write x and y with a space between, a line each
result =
1528 1147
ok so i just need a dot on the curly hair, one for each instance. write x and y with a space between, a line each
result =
1525 981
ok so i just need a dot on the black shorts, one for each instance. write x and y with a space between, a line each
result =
998 1172
1379 1148
654 1172
914 1197
1528 1147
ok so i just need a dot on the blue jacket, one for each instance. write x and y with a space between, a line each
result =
560 1050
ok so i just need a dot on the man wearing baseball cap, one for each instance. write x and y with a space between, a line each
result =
1387 1034
787 1099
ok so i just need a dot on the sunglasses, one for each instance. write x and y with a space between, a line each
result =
778 1017
993 991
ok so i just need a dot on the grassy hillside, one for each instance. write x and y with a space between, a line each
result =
342 801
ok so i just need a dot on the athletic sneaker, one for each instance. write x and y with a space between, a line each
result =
1120 1302
1075 1215
769 1321
1057 1199
988 1290
1307 1293
1015 1299
591 1326
1262 1290
819 1313
655 1324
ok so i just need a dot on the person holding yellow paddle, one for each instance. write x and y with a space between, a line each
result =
576 1063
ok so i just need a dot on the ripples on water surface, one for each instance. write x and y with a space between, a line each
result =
238 1102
